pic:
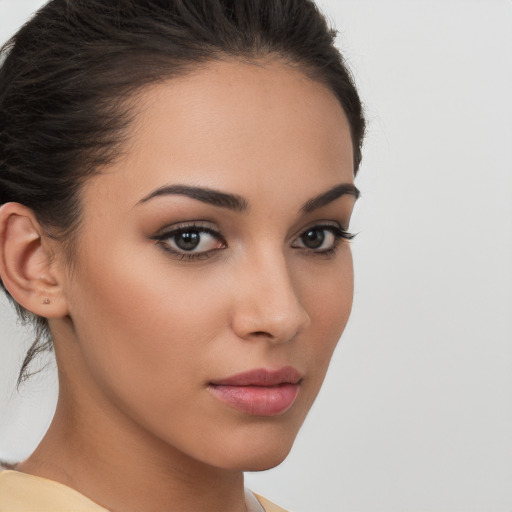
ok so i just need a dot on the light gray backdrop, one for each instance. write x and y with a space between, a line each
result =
416 411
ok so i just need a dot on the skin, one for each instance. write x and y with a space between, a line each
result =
140 332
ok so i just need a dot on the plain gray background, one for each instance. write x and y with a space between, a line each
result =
416 411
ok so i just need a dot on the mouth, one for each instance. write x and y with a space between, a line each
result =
259 392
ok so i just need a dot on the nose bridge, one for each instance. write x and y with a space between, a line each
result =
268 304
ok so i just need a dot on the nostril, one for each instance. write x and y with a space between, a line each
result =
262 333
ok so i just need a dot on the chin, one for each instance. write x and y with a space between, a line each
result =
253 454
263 463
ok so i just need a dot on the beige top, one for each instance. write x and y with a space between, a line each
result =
20 492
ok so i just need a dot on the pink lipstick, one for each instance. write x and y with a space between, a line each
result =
259 392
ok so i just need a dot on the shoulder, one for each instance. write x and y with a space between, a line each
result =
268 505
20 492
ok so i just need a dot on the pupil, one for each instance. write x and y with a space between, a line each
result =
313 239
188 241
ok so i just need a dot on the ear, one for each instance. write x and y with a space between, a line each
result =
27 267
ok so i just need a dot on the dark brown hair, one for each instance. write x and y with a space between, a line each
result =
68 73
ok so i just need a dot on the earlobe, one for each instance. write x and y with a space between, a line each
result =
27 264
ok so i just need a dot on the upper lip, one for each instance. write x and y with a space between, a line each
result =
262 377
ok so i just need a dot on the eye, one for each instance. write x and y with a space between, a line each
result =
321 239
315 238
190 241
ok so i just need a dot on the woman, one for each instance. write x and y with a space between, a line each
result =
177 181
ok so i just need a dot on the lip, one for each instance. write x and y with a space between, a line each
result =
259 392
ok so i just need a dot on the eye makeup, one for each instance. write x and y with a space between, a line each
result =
192 240
321 239
199 240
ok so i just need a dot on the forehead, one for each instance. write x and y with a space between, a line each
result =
247 128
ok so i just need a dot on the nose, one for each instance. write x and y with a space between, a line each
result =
267 305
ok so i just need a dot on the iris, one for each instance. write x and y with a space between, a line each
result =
313 238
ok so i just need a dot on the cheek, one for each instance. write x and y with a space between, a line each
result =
152 322
152 344
329 303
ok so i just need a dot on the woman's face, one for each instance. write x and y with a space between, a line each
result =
212 278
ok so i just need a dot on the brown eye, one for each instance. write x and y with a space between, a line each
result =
194 241
191 241
313 238
187 240
321 239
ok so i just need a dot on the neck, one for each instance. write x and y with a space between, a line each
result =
123 468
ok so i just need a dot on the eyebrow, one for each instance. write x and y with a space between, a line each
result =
239 204
331 195
206 195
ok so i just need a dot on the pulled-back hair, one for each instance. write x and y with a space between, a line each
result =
68 73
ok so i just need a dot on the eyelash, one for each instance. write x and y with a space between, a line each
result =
198 227
339 235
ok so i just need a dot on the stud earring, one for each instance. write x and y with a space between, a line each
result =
46 301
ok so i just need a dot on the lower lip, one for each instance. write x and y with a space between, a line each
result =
258 400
